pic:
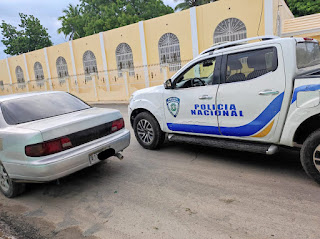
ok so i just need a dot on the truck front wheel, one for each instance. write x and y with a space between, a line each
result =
310 156
147 131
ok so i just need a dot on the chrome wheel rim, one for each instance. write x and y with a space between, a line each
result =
145 131
316 158
4 179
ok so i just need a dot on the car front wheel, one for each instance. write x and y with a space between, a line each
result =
147 131
9 188
310 156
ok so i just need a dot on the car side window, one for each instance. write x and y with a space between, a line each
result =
200 74
250 64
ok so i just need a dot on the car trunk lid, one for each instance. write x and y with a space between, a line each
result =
92 123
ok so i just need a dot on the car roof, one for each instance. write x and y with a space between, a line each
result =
24 95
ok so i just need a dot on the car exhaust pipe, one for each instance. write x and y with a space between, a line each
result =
119 156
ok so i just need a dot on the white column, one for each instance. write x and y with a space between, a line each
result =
104 60
48 68
27 71
125 77
9 73
194 31
144 53
73 64
268 17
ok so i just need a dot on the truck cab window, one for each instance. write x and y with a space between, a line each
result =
251 64
200 74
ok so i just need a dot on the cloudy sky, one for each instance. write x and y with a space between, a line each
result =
46 10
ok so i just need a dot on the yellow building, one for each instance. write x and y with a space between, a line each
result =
307 26
109 66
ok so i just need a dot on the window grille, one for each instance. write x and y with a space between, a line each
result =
231 29
169 51
19 75
62 67
38 73
89 64
124 59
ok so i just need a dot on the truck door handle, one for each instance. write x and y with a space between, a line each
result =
269 92
205 97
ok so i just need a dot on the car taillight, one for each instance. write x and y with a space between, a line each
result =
117 125
308 39
48 147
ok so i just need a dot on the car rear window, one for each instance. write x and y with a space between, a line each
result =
308 54
36 107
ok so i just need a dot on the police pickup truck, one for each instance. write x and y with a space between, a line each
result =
256 97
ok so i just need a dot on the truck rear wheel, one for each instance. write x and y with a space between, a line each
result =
310 156
9 188
147 131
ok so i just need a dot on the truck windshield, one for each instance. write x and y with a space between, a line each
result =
308 54
36 107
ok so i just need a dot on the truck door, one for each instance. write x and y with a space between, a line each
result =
190 105
251 93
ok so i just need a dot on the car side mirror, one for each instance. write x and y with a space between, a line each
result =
168 84
207 63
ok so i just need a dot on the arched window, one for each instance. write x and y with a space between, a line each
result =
169 51
19 75
124 59
62 67
231 29
38 71
89 64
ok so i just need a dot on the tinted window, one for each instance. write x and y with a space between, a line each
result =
38 107
308 54
251 64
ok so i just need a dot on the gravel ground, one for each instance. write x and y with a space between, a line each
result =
179 191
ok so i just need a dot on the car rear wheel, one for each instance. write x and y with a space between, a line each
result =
147 131
9 188
310 156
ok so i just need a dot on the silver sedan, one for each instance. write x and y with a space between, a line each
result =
46 136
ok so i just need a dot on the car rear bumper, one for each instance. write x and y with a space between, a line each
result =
67 162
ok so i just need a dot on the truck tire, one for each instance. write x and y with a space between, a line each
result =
147 131
310 156
9 188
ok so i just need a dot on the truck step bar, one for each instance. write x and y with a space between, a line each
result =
225 143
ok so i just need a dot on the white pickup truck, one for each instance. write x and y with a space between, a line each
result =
247 96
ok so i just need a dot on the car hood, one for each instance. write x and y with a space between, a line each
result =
62 125
153 89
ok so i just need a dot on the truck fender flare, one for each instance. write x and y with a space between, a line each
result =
296 133
145 105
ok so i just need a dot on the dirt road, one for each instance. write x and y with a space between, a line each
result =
180 191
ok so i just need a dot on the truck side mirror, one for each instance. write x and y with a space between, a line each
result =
168 84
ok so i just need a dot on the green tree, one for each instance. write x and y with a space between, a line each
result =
303 7
72 22
93 16
186 4
32 35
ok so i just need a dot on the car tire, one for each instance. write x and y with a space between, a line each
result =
147 131
310 156
8 187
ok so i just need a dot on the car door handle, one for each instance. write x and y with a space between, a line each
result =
269 92
205 97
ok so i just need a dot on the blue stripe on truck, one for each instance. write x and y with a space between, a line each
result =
304 88
246 130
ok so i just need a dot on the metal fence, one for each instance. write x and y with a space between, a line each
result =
100 86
